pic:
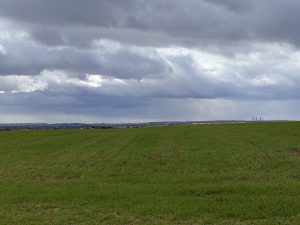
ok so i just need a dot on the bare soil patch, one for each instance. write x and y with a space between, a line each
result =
297 152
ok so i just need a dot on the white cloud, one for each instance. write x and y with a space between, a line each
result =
2 50
16 84
10 31
107 45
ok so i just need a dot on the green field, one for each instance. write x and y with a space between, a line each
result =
202 174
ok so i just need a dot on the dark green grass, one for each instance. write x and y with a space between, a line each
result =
205 174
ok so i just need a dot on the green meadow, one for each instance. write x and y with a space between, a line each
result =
199 174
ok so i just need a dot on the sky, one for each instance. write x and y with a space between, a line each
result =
134 60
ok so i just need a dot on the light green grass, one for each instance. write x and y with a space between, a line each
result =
206 174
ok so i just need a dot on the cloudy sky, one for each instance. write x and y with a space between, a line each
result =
135 60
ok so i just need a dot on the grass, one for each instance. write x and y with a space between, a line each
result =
203 174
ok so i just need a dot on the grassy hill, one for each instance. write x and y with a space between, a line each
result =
202 174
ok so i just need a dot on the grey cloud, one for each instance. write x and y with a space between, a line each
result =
48 36
216 59
31 59
190 75
31 107
179 22
234 5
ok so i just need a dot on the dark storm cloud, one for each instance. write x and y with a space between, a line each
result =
59 22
